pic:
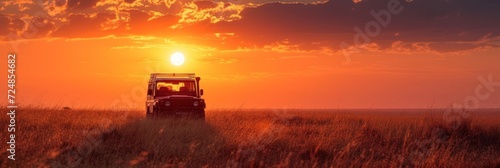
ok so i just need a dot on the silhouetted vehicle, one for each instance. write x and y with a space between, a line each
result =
174 94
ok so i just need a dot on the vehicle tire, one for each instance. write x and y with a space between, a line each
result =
153 115
149 115
201 115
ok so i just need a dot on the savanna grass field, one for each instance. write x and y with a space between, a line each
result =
53 137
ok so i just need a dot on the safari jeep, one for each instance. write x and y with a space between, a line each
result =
174 94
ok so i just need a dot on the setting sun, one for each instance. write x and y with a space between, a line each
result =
177 58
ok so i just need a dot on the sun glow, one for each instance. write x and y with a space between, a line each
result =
177 59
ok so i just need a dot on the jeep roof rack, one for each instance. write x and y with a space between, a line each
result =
154 76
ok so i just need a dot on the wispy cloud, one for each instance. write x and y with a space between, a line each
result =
452 26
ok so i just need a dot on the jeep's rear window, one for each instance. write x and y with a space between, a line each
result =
167 88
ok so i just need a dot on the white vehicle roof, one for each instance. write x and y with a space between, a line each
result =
174 79
171 76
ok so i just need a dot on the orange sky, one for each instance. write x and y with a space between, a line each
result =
253 54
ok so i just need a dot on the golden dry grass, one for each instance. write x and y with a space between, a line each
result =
252 138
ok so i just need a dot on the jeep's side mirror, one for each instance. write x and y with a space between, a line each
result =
201 92
150 92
